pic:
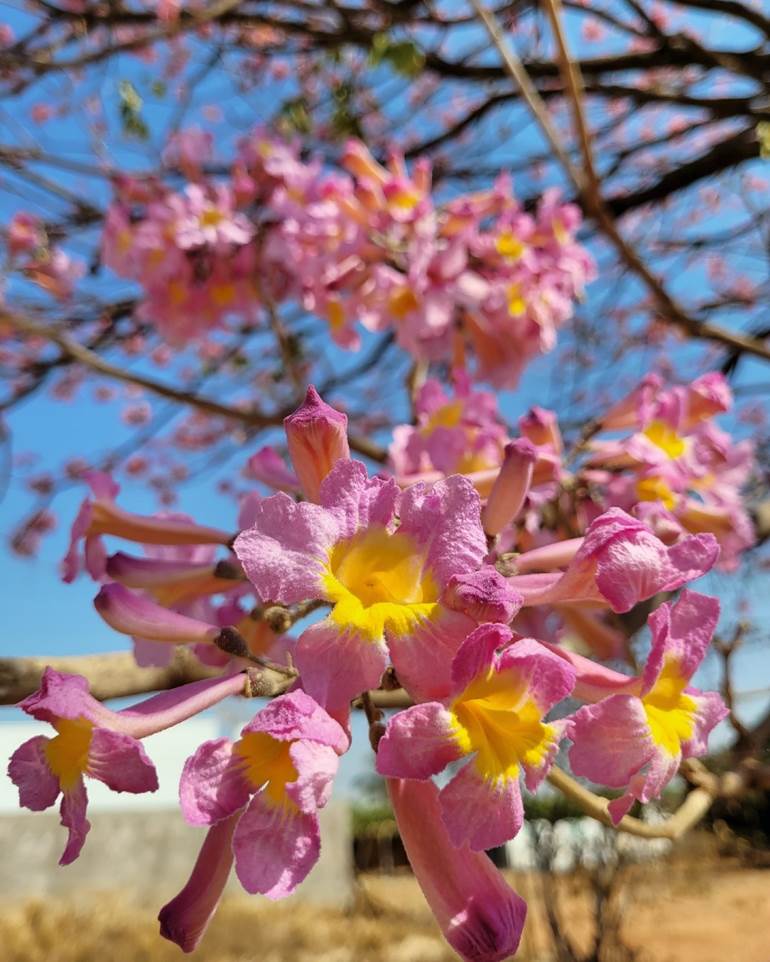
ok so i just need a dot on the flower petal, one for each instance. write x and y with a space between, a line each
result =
285 551
611 740
357 500
73 817
212 786
298 716
418 742
337 665
423 658
480 812
29 772
316 767
446 519
274 848
120 762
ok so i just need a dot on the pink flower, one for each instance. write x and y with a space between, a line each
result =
381 558
637 741
480 916
185 918
619 564
276 776
94 741
100 515
495 715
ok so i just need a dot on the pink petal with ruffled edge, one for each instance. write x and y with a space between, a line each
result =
418 742
476 655
337 665
358 500
185 918
681 631
480 812
545 678
212 785
285 552
28 770
120 762
634 569
423 658
710 711
295 716
446 520
482 595
274 848
73 817
62 695
611 740
316 766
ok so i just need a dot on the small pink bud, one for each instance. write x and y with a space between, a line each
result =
510 489
317 438
133 614
541 427
483 595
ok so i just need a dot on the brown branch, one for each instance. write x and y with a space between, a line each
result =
586 180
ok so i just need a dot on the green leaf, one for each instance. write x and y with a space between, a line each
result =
763 135
294 117
404 56
130 108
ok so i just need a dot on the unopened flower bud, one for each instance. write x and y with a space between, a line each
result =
510 489
133 614
317 438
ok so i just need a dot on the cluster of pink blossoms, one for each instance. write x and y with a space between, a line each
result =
30 251
369 247
410 584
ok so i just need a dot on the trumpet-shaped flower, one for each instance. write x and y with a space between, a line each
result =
480 915
277 775
637 741
99 515
619 564
495 716
382 559
94 741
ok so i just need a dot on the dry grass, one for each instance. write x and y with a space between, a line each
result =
676 913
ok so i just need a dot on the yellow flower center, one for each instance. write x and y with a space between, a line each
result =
67 752
405 199
447 416
508 245
670 712
268 765
377 581
663 436
492 719
403 302
211 217
655 489
516 303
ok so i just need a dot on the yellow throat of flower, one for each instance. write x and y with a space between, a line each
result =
670 712
377 580
267 764
491 719
663 436
67 752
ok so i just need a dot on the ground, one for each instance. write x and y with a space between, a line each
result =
672 912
